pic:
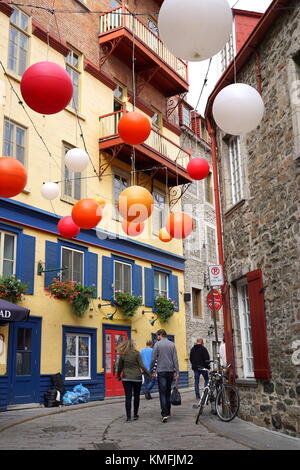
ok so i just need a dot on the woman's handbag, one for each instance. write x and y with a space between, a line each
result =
175 397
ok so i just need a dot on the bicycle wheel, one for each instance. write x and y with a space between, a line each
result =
227 402
202 403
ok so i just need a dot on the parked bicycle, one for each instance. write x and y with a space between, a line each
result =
224 397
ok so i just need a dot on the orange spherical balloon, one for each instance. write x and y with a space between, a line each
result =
13 177
86 213
134 128
135 204
132 229
164 235
179 225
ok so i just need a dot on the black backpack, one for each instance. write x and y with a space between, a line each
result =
52 398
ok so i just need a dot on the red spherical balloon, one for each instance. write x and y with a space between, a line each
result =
179 225
13 177
46 87
132 229
198 168
67 228
134 128
135 204
87 213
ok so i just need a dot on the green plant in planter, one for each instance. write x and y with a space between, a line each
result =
76 294
128 303
164 308
12 289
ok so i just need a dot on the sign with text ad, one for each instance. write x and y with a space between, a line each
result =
214 300
215 274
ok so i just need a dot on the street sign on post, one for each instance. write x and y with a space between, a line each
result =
214 300
215 274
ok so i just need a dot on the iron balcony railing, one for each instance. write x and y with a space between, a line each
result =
122 18
155 142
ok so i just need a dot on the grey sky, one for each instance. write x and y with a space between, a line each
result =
197 70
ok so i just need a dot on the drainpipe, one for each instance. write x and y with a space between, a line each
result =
225 289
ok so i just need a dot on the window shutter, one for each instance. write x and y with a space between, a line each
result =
137 276
174 294
107 278
27 263
92 271
52 261
149 287
258 325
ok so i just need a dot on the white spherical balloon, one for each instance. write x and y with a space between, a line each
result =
195 29
238 109
76 160
50 191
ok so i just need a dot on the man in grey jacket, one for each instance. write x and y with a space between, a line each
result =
164 352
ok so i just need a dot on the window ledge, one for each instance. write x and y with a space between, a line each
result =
236 206
247 383
26 191
13 75
68 200
72 111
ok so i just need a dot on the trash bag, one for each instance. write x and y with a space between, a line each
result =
83 392
175 397
58 383
52 398
71 398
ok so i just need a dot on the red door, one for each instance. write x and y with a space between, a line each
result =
113 338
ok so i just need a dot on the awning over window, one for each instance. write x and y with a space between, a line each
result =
12 312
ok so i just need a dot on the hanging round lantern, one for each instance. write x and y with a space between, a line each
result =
50 191
76 160
67 228
13 177
132 229
238 109
100 201
134 128
198 168
164 235
135 204
86 213
46 87
195 30
179 225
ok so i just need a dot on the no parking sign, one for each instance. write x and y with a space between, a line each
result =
215 274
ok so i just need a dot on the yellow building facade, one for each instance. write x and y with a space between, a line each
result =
54 339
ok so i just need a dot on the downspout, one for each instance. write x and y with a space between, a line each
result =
225 289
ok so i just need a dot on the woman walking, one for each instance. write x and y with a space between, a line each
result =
131 366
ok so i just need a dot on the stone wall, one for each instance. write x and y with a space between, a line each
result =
262 231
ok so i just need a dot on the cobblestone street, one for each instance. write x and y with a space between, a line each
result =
102 426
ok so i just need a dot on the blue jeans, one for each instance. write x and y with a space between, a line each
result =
148 384
197 374
164 380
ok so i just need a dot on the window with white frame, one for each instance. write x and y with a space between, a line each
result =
211 247
245 325
73 65
157 120
72 186
122 277
14 140
73 261
235 169
78 356
18 42
8 254
186 116
159 211
161 284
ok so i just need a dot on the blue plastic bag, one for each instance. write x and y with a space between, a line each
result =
83 393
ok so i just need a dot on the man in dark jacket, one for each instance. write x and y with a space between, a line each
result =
199 357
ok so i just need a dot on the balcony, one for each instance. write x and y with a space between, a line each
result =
167 159
154 62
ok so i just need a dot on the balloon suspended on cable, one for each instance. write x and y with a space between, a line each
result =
179 225
13 177
135 204
87 213
134 128
132 229
198 168
46 87
195 30
67 228
238 109
50 191
164 235
76 160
